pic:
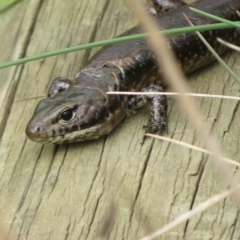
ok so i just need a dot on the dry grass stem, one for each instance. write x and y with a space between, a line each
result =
232 46
217 57
30 98
181 143
4 235
177 81
186 216
174 94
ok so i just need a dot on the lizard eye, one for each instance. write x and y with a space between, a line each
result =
67 115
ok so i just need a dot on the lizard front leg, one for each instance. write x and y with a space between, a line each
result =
158 120
162 6
59 84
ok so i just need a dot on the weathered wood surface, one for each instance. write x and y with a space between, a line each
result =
72 191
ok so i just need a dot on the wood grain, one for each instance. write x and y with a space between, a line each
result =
114 187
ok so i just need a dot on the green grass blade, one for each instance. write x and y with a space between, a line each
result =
219 19
217 57
5 3
113 41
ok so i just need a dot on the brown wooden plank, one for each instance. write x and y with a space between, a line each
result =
70 191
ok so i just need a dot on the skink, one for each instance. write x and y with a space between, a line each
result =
81 110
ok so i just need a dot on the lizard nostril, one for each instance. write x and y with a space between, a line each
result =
36 133
37 129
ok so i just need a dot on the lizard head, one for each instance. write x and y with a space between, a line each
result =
77 114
